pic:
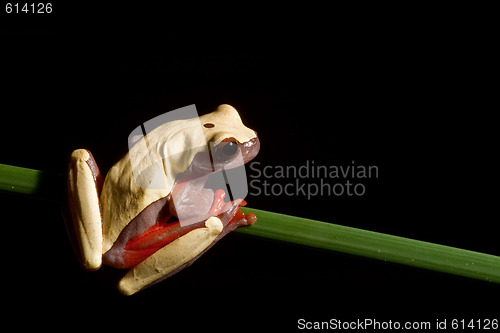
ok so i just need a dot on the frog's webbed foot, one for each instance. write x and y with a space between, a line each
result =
84 211
172 257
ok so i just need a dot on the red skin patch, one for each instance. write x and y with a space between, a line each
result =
142 246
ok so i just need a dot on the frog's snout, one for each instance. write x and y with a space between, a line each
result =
250 149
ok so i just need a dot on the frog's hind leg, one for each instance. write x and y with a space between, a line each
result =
83 208
171 258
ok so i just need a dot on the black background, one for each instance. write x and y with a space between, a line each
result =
408 91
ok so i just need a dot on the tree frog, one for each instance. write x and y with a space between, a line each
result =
152 214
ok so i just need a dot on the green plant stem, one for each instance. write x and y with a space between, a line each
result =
374 245
306 232
31 182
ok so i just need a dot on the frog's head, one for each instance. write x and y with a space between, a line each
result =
228 144
178 157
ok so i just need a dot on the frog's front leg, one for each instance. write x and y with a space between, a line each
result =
172 257
84 187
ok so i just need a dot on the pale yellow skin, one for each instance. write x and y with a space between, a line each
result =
166 151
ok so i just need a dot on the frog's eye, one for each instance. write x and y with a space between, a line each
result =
230 149
225 151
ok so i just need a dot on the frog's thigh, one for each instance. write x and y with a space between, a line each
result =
84 209
170 257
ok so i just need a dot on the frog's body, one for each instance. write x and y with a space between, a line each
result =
132 218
